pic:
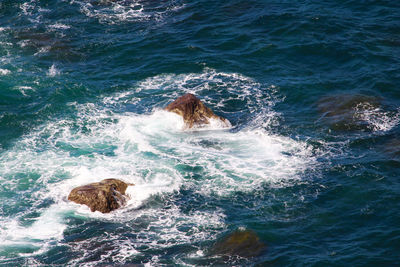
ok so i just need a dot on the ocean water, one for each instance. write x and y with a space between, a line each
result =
311 163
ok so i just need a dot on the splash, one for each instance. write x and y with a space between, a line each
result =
53 71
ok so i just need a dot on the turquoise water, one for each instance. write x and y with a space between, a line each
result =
311 163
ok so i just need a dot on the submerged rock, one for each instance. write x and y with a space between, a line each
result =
104 196
49 43
243 243
194 112
348 112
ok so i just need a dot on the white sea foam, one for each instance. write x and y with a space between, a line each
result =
112 12
43 50
59 26
53 71
116 13
23 43
152 151
166 229
25 89
31 10
47 226
377 119
214 124
224 88
39 236
4 72
27 7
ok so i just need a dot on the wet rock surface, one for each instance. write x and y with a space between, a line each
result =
194 112
104 196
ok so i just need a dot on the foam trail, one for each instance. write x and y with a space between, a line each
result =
25 89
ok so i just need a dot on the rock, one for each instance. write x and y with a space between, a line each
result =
46 43
104 196
243 243
348 112
194 112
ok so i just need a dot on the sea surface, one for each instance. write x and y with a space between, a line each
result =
311 164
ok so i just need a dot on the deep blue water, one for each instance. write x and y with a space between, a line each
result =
311 163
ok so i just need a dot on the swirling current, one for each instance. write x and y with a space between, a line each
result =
310 166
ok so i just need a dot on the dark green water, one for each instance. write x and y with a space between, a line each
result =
311 163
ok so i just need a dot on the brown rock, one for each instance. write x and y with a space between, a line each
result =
194 112
243 243
104 196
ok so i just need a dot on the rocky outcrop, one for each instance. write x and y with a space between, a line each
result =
104 196
347 112
242 243
194 112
